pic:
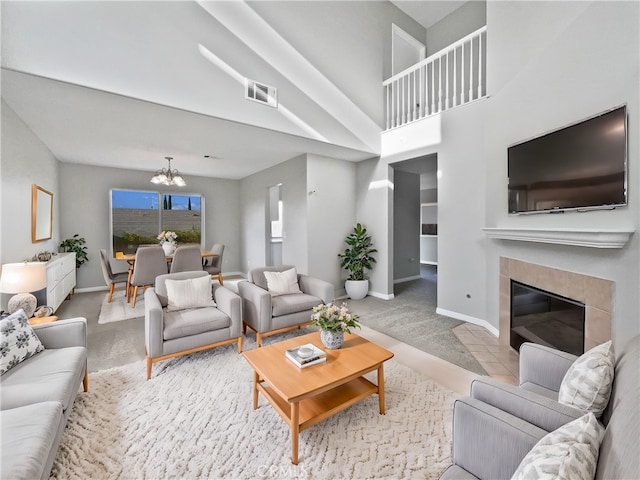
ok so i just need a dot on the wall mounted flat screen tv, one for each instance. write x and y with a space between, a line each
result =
579 167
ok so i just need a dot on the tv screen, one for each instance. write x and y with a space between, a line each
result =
579 167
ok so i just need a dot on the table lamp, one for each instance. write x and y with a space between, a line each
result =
23 278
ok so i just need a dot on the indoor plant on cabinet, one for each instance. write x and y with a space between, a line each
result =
357 259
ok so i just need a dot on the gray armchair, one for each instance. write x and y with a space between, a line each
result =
497 426
267 315
170 334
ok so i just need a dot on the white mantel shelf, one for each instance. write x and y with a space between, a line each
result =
575 237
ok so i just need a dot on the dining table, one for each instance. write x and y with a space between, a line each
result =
130 258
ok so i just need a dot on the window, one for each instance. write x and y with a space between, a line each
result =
137 217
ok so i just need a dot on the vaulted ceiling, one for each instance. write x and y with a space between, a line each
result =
125 84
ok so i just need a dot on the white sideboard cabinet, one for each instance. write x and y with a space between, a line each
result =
61 278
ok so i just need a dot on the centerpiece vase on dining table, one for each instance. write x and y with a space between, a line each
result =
169 248
332 340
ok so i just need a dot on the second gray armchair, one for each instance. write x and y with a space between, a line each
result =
267 315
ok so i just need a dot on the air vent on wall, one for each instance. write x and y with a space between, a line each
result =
261 93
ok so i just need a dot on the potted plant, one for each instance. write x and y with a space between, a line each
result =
333 322
168 241
75 244
357 259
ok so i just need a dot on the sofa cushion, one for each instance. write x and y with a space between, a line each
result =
182 323
17 341
587 384
27 436
189 293
282 283
570 452
299 302
52 375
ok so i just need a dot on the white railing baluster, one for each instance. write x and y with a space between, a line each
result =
415 92
480 61
471 69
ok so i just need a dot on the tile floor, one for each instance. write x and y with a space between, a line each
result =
499 361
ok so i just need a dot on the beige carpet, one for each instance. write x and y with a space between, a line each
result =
119 309
194 419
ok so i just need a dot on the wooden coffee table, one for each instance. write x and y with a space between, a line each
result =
306 396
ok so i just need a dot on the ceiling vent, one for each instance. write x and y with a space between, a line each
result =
261 93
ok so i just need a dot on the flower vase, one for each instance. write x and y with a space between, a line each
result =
168 248
331 340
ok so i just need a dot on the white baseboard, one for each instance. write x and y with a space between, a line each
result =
468 318
407 279
383 296
91 289
423 262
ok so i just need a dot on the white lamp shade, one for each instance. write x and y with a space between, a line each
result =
23 277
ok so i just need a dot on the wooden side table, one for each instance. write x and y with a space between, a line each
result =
41 320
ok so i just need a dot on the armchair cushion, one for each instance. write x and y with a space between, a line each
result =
183 323
569 452
282 283
587 384
17 341
286 304
189 293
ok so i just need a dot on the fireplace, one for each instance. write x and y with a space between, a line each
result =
545 318
596 294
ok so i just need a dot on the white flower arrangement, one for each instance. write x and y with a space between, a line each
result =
167 237
332 318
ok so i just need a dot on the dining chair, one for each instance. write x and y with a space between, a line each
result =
213 265
187 258
150 262
110 277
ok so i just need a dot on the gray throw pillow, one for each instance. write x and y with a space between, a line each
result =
588 382
18 341
568 453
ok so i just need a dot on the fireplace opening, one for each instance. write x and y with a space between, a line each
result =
546 318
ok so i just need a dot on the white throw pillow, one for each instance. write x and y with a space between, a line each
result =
18 341
568 453
587 384
282 283
189 293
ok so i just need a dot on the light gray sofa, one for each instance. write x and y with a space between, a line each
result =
37 396
267 315
498 424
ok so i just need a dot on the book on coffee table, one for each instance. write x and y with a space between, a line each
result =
316 356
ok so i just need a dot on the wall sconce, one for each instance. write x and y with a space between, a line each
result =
23 278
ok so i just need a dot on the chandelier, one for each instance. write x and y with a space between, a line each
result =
168 176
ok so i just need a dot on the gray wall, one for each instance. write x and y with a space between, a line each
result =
292 174
539 79
84 210
331 215
461 22
25 161
406 225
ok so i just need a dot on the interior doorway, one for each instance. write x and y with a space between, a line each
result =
275 238
406 51
415 222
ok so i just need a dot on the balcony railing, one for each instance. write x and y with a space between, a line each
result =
454 76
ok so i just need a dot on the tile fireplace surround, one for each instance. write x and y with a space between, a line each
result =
595 293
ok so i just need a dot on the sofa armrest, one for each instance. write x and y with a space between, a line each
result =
256 306
153 323
317 288
488 442
544 366
230 304
71 332
536 409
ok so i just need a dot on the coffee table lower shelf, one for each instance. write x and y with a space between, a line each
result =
311 410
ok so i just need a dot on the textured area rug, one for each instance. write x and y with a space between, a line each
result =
119 309
194 419
411 318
